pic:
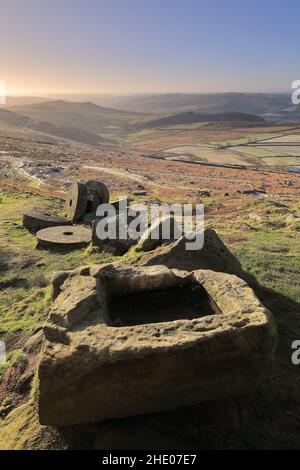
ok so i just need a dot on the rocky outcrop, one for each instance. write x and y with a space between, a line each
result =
91 371
213 255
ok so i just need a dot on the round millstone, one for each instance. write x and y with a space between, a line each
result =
64 236
97 193
76 202
35 220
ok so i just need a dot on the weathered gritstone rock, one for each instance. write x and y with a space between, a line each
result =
76 202
124 341
66 237
57 279
35 220
213 255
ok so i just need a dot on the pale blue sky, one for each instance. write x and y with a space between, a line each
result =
125 46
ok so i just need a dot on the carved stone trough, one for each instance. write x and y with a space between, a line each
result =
123 341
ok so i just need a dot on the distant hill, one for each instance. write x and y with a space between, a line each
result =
191 117
110 114
22 100
85 116
262 104
11 120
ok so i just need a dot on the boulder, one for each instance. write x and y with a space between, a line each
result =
213 255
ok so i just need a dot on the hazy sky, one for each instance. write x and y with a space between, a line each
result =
120 46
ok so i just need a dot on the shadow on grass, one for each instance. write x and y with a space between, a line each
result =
5 258
62 250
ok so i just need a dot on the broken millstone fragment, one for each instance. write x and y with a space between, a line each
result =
63 237
76 202
35 220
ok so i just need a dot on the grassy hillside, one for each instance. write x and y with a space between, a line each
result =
261 233
86 116
191 117
14 121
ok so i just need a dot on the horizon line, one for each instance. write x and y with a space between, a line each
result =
146 93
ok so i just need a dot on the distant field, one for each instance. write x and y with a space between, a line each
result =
241 146
283 161
209 134
253 151
283 150
223 143
244 140
290 150
291 138
211 155
249 155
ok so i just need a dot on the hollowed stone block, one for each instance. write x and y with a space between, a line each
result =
142 340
